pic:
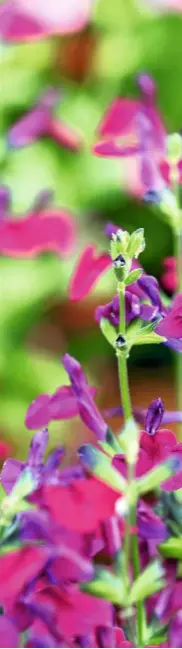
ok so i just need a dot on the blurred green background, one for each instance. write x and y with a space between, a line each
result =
37 323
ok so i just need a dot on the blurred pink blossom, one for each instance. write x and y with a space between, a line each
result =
43 228
27 19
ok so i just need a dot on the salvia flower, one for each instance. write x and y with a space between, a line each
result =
67 402
171 324
154 416
133 129
12 468
40 122
21 20
50 229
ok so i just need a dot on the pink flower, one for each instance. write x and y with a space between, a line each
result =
33 19
169 278
171 325
49 230
18 568
88 270
40 122
133 129
81 505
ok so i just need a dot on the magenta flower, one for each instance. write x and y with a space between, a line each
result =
9 636
67 402
48 230
171 325
26 19
40 122
169 278
133 129
80 506
87 272
18 568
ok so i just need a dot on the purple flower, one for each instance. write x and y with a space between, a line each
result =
40 121
144 288
13 468
171 325
67 402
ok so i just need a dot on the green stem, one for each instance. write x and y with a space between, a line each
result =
178 246
131 541
122 363
140 610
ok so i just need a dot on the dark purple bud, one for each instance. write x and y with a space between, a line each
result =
154 416
120 342
110 229
42 201
54 459
119 262
152 197
4 201
146 85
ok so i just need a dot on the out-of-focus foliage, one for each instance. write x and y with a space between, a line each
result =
89 69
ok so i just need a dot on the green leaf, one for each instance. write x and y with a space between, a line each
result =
172 548
109 331
133 276
149 582
129 440
106 586
100 466
153 478
148 339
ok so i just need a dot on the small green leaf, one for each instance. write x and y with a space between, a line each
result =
100 466
148 339
153 478
133 276
129 440
171 548
108 330
150 581
106 586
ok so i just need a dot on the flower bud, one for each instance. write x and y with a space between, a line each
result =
136 244
119 265
120 342
154 416
119 243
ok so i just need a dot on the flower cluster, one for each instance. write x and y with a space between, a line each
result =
90 554
62 532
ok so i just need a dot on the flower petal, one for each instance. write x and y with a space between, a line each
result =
9 636
54 231
38 415
10 473
87 272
